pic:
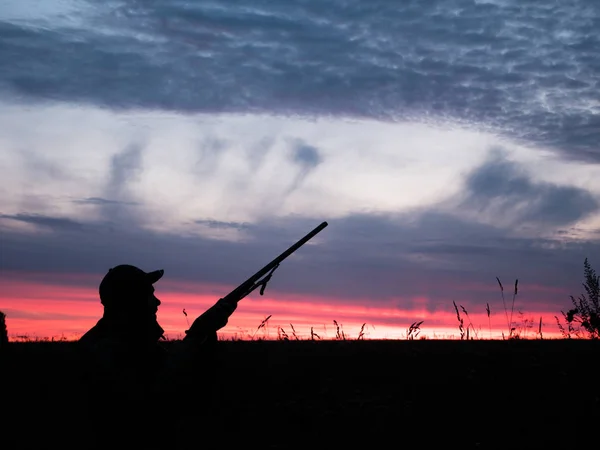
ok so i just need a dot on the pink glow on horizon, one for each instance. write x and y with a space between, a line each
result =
41 309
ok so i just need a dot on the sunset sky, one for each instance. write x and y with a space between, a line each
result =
443 147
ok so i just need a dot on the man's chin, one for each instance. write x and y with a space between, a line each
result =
156 331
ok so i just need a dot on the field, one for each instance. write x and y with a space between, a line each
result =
303 394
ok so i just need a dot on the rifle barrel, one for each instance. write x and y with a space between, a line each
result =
250 284
290 250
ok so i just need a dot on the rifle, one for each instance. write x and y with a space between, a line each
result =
219 313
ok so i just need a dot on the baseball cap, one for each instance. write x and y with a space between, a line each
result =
124 281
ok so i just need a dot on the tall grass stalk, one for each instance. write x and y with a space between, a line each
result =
361 333
186 317
487 309
470 323
263 324
460 322
414 330
504 303
512 308
294 333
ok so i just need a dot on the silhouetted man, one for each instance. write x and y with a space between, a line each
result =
130 307
127 370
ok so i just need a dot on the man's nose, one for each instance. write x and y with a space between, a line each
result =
157 302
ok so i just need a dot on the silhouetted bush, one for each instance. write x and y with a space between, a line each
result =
584 317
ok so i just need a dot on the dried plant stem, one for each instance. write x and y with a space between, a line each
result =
487 308
504 303
512 308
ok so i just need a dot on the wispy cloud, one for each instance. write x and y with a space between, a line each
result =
406 203
220 224
55 223
102 201
503 190
307 158
383 259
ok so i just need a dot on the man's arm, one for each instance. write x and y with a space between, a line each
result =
213 319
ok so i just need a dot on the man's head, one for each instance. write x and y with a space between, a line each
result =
127 293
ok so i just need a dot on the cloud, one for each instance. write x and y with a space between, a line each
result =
505 191
125 167
102 201
306 155
533 86
381 260
208 155
54 223
417 214
307 158
42 167
220 224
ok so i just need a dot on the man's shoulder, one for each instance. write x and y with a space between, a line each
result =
94 334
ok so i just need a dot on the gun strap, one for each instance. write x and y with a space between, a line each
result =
263 283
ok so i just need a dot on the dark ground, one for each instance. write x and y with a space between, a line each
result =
300 394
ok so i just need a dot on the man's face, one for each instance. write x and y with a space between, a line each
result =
153 303
155 331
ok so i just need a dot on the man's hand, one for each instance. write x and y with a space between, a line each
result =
213 319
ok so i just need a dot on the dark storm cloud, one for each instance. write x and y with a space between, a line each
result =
525 68
501 185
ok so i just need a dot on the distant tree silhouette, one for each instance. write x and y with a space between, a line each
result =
586 308
3 331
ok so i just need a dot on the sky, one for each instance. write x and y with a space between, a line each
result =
446 144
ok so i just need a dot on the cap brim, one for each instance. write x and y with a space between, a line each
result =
154 276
